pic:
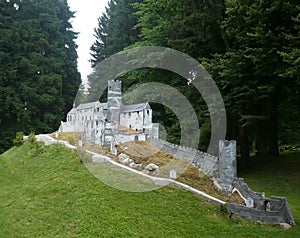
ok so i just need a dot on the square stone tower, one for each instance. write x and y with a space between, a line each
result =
114 101
227 162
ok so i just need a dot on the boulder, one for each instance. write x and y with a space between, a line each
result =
150 168
138 166
132 164
124 159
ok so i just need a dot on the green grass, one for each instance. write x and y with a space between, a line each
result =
53 195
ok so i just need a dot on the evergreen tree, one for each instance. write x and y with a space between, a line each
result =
252 71
115 30
38 71
250 47
190 26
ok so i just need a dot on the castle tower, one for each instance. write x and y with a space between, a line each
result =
114 102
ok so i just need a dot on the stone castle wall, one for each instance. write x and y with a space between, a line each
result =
207 163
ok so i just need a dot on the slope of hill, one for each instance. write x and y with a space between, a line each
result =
51 194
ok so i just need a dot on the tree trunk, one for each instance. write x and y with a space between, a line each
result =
244 145
273 128
262 138
267 130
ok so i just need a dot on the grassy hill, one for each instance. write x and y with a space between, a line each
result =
53 195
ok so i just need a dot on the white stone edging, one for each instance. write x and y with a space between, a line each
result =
48 140
98 158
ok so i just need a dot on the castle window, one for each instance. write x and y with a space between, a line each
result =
148 112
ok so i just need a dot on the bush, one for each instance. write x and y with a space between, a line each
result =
18 141
32 139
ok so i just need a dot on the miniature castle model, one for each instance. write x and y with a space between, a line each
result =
112 123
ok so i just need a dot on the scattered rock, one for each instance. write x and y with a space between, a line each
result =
156 172
150 168
124 159
285 226
138 166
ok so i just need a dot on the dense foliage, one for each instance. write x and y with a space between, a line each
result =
109 38
250 47
38 66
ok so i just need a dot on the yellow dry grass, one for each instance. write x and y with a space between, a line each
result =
144 153
71 137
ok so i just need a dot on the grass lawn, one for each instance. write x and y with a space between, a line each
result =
53 195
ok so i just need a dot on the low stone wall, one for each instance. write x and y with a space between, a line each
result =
269 217
271 210
208 164
245 192
222 170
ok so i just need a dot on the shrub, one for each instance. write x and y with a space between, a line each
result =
32 139
18 141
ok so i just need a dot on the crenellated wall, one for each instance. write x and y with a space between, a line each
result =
223 171
207 163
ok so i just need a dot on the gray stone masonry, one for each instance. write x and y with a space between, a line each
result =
227 161
208 164
273 210
269 217
223 171
245 192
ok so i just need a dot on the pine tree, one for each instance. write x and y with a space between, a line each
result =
38 71
115 30
252 71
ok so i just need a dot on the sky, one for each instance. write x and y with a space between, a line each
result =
87 13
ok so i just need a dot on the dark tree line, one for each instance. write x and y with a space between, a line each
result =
38 66
250 47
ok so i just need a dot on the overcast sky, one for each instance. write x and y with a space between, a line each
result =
87 13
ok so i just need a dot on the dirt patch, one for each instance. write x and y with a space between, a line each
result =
71 137
144 153
97 149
